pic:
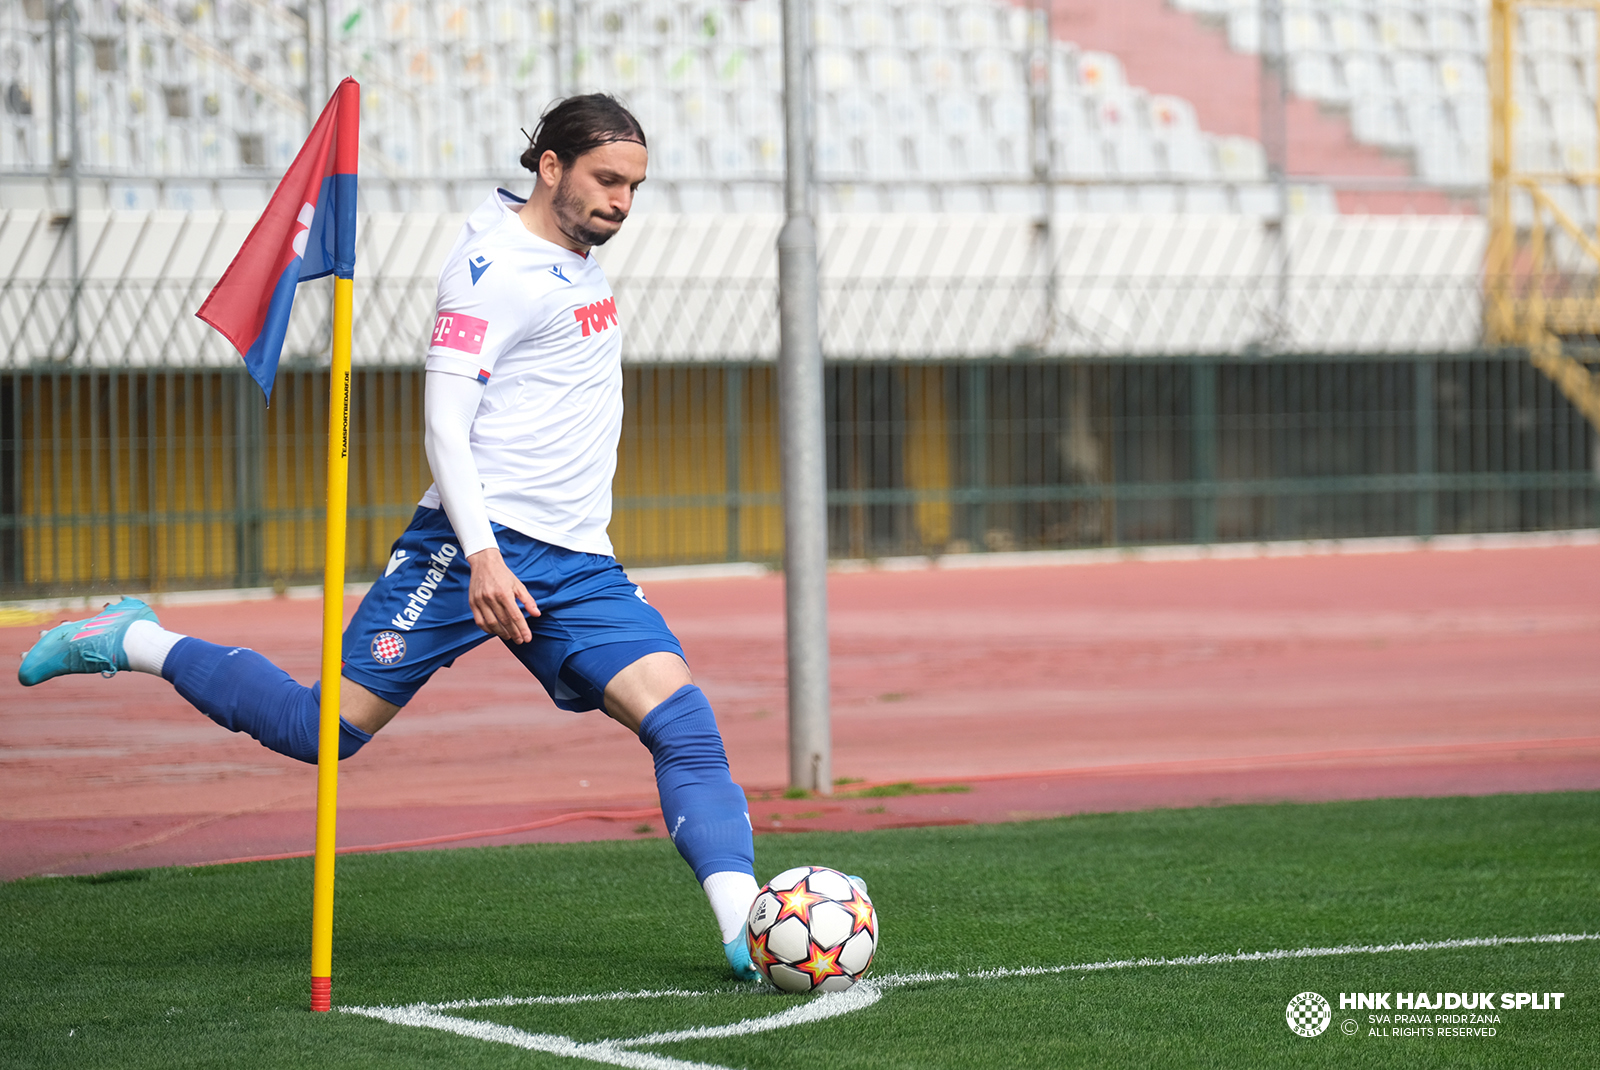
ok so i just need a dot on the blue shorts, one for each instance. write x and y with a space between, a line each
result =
416 619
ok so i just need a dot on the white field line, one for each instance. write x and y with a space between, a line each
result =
834 1004
858 997
615 1052
896 980
536 1001
607 1052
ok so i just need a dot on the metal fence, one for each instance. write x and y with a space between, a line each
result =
704 288
135 480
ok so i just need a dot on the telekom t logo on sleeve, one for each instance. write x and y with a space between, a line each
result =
455 331
598 316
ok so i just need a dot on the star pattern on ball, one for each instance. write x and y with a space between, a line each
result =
860 909
797 903
759 953
821 964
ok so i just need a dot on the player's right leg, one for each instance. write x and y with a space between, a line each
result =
414 620
234 686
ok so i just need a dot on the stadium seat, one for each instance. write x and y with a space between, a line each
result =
923 26
1316 76
889 68
731 154
996 70
1413 75
1306 30
1099 72
1547 31
1572 121
1462 76
1452 31
1364 75
835 68
1240 158
1379 121
919 89
1352 31
829 25
1187 154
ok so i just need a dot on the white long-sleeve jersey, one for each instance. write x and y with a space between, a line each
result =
537 326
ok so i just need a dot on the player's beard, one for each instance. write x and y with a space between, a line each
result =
573 217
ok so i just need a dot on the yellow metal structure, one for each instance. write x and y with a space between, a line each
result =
1542 269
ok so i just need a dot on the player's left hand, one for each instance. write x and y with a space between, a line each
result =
494 594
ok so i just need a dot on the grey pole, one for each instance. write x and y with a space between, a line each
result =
1042 147
308 92
74 165
800 418
566 45
1275 142
314 108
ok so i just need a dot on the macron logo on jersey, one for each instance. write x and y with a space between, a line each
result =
556 271
598 316
463 333
478 265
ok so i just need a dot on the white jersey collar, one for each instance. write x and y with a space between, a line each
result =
500 209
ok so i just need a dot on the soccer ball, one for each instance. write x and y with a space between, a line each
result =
812 929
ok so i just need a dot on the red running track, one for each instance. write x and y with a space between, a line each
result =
1044 690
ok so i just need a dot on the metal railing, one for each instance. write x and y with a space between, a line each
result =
115 479
704 288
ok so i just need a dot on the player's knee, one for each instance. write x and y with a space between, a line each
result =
639 688
305 741
360 708
683 731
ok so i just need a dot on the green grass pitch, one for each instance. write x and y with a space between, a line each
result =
208 967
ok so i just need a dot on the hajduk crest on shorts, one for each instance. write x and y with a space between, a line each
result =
812 929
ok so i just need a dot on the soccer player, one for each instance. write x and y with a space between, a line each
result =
523 407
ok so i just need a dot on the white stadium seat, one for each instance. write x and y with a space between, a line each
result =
1188 154
908 90
1239 157
1316 76
1413 75
1099 72
1379 121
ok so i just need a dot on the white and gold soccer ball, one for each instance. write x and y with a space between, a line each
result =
812 929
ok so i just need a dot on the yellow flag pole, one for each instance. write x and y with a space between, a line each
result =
332 633
346 151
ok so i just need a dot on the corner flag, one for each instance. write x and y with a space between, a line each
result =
307 231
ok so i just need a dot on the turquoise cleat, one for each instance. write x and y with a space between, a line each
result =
739 960
80 646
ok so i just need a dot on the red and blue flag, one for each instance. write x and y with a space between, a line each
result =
307 231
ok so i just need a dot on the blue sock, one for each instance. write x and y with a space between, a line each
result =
706 812
244 692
